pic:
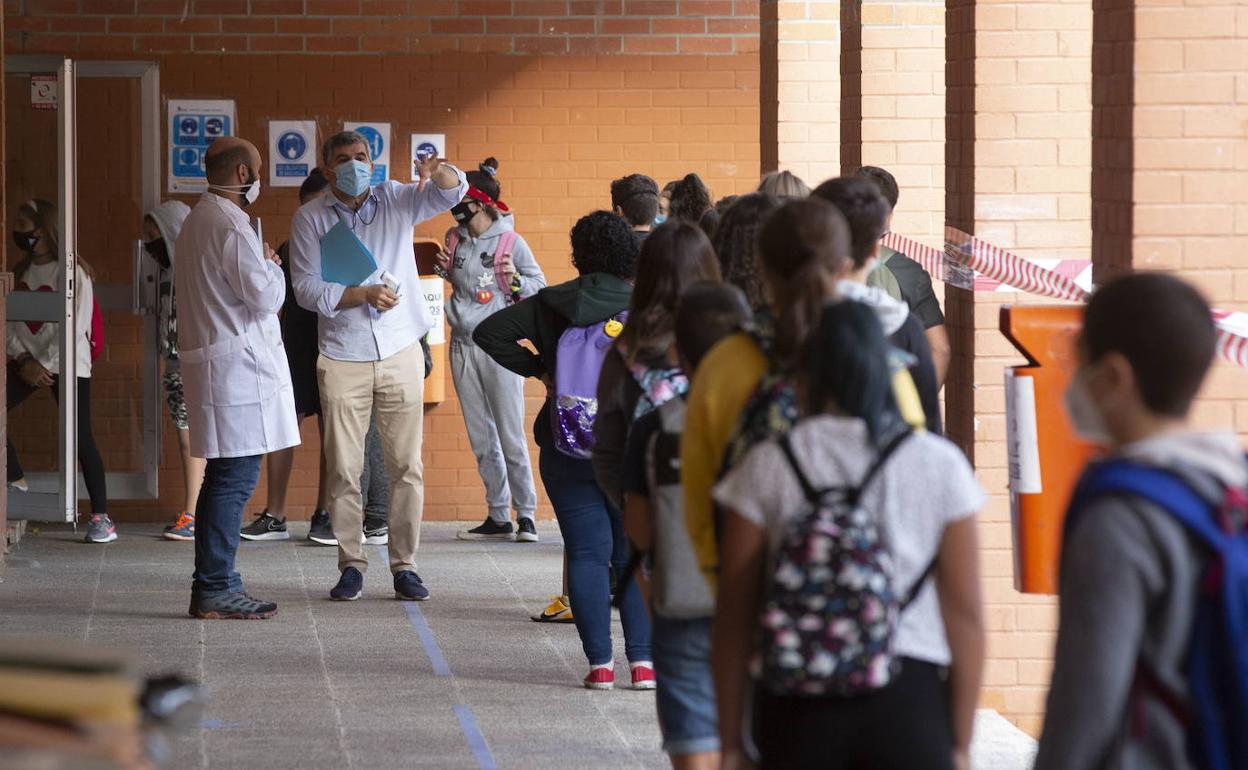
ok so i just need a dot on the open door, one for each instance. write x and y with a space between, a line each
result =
96 154
47 149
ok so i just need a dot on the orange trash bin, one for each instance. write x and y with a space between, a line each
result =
1045 456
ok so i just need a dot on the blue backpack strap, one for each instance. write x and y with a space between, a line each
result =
1159 487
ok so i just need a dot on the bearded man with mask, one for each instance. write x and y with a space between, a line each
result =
240 405
369 338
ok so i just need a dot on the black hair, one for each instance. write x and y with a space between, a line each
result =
674 257
725 203
709 222
602 242
1165 330
485 178
864 207
690 199
884 180
846 368
315 182
736 244
708 312
637 197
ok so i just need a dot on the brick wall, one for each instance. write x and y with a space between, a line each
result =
561 126
536 27
1172 100
1019 147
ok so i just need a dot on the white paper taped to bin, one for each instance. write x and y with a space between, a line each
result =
432 287
1022 434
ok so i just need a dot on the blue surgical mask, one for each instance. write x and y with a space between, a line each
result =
353 177
659 219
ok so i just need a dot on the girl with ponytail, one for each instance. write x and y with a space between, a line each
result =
490 267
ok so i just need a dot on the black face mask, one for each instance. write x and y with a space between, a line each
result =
25 240
462 212
158 251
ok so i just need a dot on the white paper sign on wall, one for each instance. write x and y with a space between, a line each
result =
377 135
425 144
432 288
292 151
194 124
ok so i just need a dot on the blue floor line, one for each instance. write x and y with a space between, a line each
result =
476 741
467 721
436 659
421 626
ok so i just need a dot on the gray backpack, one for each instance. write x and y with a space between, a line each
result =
678 589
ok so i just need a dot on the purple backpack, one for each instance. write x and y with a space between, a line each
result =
579 357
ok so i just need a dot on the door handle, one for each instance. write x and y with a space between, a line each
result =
136 284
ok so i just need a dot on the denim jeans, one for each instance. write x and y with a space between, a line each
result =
686 697
375 482
228 484
593 543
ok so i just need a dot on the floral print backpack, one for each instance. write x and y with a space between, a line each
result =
829 616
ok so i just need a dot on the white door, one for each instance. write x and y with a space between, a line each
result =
104 168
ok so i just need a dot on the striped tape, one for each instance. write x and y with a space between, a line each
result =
971 263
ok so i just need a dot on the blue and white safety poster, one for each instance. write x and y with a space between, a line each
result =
424 145
292 151
194 124
378 137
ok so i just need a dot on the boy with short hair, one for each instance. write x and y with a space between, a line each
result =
908 281
1131 572
681 601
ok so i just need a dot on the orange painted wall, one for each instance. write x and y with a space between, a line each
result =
561 126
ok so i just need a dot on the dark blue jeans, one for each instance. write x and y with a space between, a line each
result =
228 484
593 543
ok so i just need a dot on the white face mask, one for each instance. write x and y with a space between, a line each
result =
1085 415
250 191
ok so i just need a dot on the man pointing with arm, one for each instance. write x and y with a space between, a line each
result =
239 401
369 337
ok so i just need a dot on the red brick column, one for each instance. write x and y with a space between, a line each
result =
800 89
1169 192
1018 144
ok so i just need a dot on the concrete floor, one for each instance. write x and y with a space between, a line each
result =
464 680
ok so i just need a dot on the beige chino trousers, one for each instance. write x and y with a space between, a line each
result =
350 391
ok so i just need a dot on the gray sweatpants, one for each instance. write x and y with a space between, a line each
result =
492 400
375 482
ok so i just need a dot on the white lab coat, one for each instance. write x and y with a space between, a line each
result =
238 395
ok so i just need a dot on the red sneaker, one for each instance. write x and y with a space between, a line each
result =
600 679
643 677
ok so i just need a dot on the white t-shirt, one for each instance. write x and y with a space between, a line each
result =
42 340
926 485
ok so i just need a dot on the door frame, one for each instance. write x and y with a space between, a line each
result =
136 297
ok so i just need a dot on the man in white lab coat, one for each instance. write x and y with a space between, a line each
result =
369 336
239 400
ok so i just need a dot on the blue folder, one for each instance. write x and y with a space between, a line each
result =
344 257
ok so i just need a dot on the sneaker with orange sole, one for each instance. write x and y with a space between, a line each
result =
182 529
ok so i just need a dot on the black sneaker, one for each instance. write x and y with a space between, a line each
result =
321 531
376 531
526 531
409 587
490 530
350 586
265 527
239 606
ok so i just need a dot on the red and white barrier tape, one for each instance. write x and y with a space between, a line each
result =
971 263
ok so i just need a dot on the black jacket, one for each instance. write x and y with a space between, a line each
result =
542 319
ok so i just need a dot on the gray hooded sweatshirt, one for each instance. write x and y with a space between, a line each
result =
169 217
1129 582
472 277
